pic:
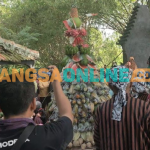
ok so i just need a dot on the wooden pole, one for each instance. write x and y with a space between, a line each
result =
115 58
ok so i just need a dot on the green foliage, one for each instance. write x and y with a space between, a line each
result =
38 64
45 17
105 51
10 67
23 37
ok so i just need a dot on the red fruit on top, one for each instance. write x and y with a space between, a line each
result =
76 58
75 67
82 32
90 59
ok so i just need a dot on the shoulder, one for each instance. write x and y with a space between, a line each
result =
63 121
57 129
139 104
60 132
102 107
62 125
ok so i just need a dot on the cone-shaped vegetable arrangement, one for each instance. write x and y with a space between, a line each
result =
83 96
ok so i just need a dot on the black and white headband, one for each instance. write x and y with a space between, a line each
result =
120 98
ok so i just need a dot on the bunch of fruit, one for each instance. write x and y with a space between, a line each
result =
84 99
83 96
70 51
84 60
75 22
85 50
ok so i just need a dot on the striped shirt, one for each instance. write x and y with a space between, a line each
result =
144 96
132 133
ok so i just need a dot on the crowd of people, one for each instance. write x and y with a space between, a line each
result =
21 111
121 123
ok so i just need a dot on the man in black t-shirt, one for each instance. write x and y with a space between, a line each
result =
17 102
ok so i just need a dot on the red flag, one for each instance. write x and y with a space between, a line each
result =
90 15
66 24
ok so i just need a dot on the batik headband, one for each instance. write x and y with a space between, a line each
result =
120 98
138 87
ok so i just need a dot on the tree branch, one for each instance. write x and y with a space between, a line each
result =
115 58
124 7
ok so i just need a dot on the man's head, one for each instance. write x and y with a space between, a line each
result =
38 106
120 90
105 66
17 98
133 64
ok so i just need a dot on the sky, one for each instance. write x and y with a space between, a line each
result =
106 32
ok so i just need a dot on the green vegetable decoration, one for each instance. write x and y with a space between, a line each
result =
84 50
65 60
83 96
84 60
70 51
76 23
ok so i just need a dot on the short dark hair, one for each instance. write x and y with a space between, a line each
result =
15 97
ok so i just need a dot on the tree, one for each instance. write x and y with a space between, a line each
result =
105 51
45 17
23 37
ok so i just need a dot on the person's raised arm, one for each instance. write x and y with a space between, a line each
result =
62 101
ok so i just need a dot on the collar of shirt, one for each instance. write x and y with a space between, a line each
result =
11 124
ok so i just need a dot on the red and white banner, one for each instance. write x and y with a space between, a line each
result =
90 15
66 23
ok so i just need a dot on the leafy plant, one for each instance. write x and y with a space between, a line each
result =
23 37
45 17
105 51
10 67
